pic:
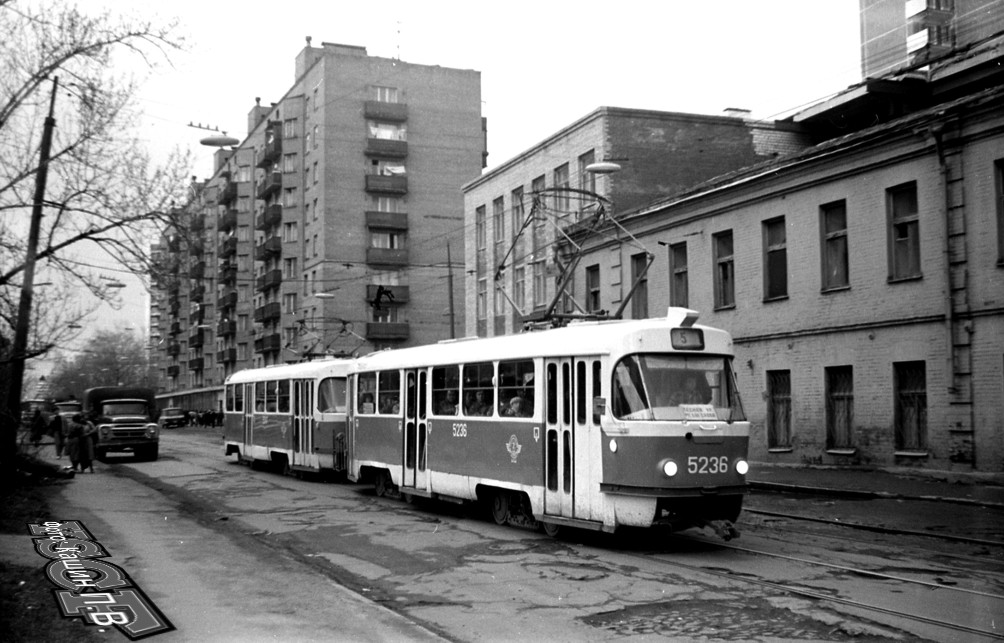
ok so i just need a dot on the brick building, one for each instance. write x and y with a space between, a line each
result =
325 231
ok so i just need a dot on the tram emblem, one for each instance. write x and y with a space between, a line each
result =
513 447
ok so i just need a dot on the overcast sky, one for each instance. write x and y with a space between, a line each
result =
543 64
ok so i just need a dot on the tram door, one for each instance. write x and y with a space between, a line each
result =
248 419
415 430
559 438
303 422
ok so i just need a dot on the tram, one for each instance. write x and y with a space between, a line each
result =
595 425
290 417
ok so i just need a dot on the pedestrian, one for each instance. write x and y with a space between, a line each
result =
38 427
87 446
56 431
74 435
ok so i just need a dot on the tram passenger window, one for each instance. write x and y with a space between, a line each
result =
331 395
282 396
445 389
390 392
366 390
516 388
230 397
479 388
259 396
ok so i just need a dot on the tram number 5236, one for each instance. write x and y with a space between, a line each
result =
702 464
459 430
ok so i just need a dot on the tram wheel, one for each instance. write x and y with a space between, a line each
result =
381 484
551 529
500 507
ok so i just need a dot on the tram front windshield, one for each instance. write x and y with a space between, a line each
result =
658 387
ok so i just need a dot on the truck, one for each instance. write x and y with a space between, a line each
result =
126 420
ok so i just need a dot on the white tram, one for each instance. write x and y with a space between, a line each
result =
289 416
595 425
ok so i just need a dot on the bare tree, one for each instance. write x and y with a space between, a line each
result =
105 197
110 358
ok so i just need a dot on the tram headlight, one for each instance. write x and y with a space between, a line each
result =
742 467
613 446
669 468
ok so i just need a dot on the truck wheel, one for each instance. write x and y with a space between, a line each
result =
100 454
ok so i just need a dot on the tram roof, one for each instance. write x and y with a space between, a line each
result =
581 338
334 367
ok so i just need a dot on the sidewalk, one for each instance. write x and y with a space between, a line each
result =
983 489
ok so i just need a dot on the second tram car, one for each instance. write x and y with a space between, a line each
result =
289 416
595 425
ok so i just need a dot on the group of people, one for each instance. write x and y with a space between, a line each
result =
75 436
208 417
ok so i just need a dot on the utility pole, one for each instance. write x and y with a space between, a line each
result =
449 285
8 448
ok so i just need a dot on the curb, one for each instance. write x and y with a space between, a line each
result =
781 487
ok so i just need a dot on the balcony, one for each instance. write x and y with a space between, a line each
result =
380 111
401 294
387 220
197 317
198 223
268 313
227 273
226 328
228 300
174 349
268 343
272 149
196 364
270 279
196 339
175 328
270 217
269 184
226 355
386 257
197 270
228 220
228 192
386 148
172 371
228 248
272 247
387 330
197 294
387 184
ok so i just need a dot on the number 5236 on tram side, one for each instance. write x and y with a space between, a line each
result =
595 425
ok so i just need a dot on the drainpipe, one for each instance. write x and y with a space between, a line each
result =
935 131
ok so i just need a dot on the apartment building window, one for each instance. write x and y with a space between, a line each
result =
482 299
243 263
317 138
910 385
903 231
243 233
244 204
724 282
539 289
242 322
306 146
289 128
387 131
289 303
313 281
779 410
839 407
587 180
999 198
593 289
639 300
380 167
519 286
386 314
290 232
243 173
678 287
289 163
562 200
289 197
387 239
384 94
775 259
480 237
289 270
833 228
315 210
498 231
385 203
316 173
315 245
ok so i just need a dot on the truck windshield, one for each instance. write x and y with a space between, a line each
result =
125 407
656 387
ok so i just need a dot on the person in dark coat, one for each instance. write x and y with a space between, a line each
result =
74 435
56 431
38 427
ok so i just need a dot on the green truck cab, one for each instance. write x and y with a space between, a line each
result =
126 420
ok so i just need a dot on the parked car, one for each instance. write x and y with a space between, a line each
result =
173 417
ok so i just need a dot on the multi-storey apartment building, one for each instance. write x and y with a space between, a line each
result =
862 277
327 230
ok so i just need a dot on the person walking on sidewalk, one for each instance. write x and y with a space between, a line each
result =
74 435
56 430
87 445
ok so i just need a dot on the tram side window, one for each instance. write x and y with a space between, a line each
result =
516 388
479 388
259 396
446 389
390 392
230 398
366 393
282 396
331 395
